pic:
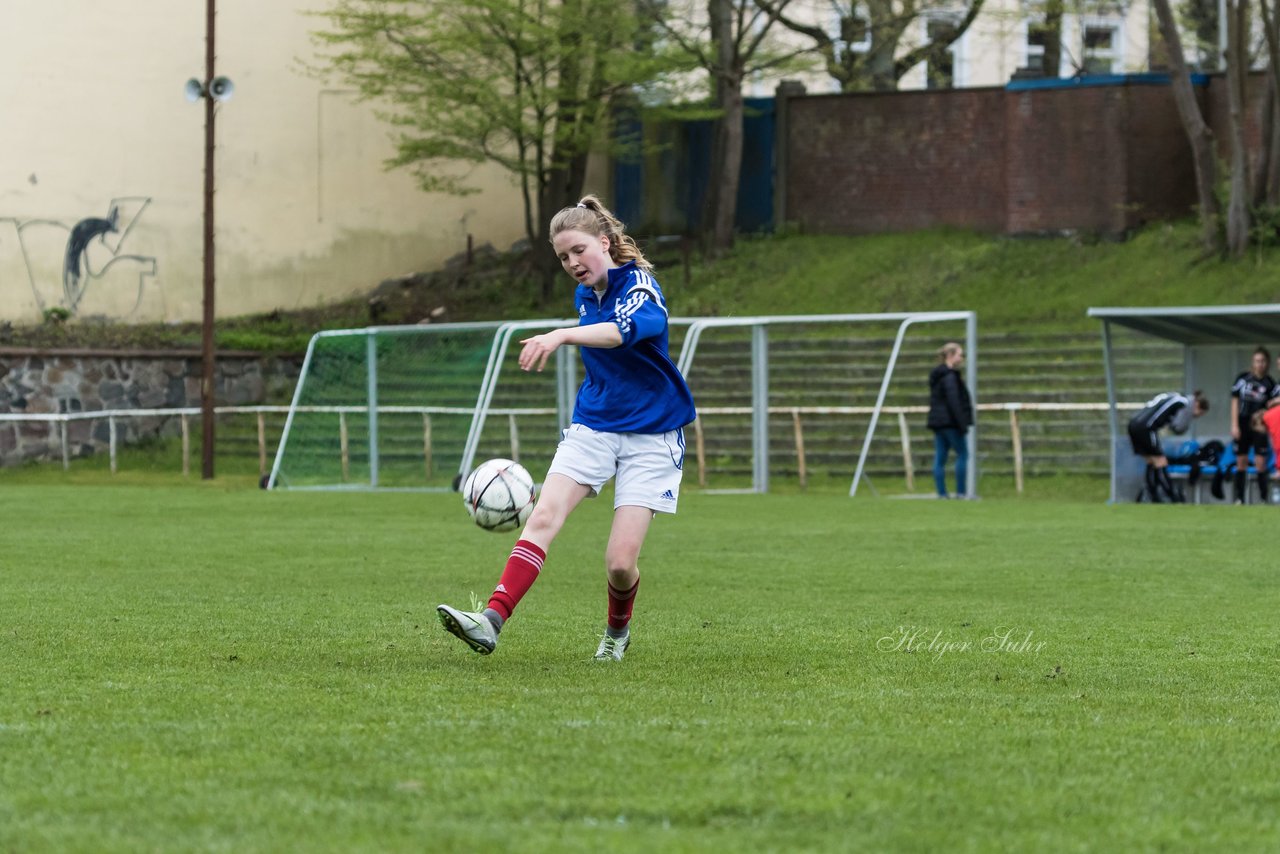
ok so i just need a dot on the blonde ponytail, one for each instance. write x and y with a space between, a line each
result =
590 216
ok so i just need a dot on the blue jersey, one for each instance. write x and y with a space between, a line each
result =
635 387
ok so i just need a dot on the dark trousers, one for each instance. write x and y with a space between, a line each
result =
1258 443
946 440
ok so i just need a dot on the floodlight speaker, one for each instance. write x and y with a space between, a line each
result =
194 90
221 89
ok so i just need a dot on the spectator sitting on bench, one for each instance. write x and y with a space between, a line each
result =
1168 409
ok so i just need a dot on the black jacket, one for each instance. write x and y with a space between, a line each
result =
949 401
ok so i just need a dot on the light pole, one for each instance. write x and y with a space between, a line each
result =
212 90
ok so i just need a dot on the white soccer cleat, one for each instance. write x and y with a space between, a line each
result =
474 629
612 649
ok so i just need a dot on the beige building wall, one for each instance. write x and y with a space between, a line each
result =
95 121
1104 38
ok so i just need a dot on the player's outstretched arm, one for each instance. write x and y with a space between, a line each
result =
540 347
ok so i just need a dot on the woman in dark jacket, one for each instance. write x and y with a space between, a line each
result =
950 416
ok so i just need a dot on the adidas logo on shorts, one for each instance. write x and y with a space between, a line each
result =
667 496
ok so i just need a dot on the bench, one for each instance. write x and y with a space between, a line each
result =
1225 465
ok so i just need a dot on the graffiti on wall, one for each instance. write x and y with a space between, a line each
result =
82 268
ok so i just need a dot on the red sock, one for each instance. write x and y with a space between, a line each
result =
521 571
620 605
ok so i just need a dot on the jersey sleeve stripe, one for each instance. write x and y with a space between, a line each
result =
643 283
640 292
630 307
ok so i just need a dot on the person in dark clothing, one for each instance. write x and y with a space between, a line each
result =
1168 409
950 417
1250 393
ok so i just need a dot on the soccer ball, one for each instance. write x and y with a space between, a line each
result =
499 495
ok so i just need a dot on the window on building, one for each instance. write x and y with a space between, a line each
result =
1037 36
853 30
1101 53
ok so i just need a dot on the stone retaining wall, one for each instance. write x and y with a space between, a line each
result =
65 381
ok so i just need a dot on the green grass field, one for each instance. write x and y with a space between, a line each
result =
223 669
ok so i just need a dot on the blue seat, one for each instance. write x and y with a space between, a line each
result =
1190 447
1229 459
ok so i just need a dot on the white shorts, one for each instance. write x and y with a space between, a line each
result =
647 465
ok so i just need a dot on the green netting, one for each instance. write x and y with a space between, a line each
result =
425 381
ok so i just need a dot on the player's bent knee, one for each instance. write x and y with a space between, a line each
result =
547 518
621 559
622 564
623 578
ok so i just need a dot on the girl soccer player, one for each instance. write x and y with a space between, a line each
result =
1250 393
627 423
1168 409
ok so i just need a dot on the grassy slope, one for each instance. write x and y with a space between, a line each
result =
273 679
1011 283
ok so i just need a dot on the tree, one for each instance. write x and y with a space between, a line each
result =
1050 34
524 84
1198 132
1199 18
863 51
731 46
1267 182
1239 217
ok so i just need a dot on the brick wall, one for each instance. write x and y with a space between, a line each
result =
896 161
1066 159
1096 158
1161 178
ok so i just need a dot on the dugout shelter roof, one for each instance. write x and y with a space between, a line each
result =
1217 342
1199 325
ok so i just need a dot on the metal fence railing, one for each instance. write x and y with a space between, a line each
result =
59 421
58 424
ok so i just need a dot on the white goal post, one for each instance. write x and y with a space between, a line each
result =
412 407
759 327
366 398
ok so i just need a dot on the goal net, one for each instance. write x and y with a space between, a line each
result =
384 407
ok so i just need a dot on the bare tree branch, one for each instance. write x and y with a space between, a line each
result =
764 30
693 48
774 9
937 46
